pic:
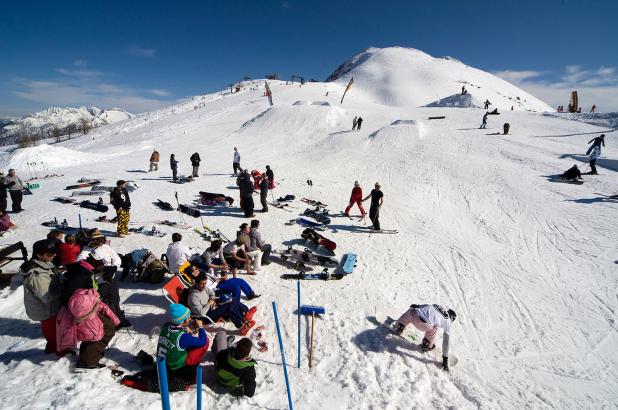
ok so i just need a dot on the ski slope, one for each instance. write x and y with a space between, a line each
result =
528 264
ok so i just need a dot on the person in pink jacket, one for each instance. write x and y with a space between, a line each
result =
89 320
356 198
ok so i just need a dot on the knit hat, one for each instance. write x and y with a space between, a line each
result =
120 182
178 313
96 234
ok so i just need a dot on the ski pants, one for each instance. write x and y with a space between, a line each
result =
358 202
237 167
256 256
220 341
235 287
195 171
48 329
174 174
110 294
266 248
593 168
263 198
123 221
247 205
16 197
195 356
412 317
374 215
91 352
154 166
3 203
483 125
233 310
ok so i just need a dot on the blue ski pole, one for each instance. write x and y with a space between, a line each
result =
285 369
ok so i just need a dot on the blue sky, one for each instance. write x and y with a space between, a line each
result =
143 55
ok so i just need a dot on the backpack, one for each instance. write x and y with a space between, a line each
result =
146 267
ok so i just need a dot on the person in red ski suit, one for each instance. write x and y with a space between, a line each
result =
356 198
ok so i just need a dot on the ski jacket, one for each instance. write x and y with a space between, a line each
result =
209 255
198 300
236 157
79 321
42 287
234 373
155 157
195 159
436 316
245 186
255 240
357 194
175 343
3 187
103 252
264 184
177 254
271 175
595 153
173 163
13 183
597 141
67 253
119 198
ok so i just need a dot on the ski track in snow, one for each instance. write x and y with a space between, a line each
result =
528 269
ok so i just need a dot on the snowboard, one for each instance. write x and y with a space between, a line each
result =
82 185
569 181
349 262
166 206
284 206
185 209
307 257
182 180
94 206
148 232
86 193
324 275
384 231
321 217
306 222
214 198
287 198
311 235
64 200
314 202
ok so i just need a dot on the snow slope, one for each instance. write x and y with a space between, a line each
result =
398 76
528 264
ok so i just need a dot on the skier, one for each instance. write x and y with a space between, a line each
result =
572 174
429 318
487 104
154 161
174 166
359 122
264 184
356 198
506 127
484 124
236 163
596 142
594 154
13 182
594 108
234 365
271 177
195 162
377 199
119 198
354 121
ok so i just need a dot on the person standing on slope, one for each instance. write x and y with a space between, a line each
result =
463 90
236 161
428 318
195 162
594 108
154 161
16 186
484 124
3 193
359 122
174 166
354 121
271 177
356 198
246 193
264 184
487 104
377 199
596 142
594 154
119 198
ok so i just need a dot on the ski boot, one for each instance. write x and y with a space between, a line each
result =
426 346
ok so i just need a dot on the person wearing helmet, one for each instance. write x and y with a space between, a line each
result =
429 318
356 198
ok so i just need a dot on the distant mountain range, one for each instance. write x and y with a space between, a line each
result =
41 124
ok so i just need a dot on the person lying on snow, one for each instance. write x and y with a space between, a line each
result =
429 318
204 304
235 367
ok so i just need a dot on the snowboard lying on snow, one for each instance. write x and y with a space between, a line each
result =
324 275
306 256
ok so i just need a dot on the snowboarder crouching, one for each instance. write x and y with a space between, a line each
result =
429 318
572 173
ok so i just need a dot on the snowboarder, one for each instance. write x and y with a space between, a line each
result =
594 154
264 184
487 104
377 199
174 166
154 161
506 128
359 122
236 161
484 124
42 288
234 365
354 122
429 318
594 108
463 90
16 186
596 142
572 174
271 177
195 163
356 198
119 198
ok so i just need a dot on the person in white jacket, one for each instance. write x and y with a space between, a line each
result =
236 161
100 250
594 154
177 253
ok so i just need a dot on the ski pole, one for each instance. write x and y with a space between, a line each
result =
285 369
179 211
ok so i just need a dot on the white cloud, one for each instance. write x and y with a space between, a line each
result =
80 63
594 86
140 51
160 93
78 73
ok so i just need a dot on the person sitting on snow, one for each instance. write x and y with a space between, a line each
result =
212 259
572 173
429 318
177 253
235 367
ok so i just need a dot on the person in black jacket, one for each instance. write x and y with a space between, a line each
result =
359 122
195 162
3 193
596 142
271 177
235 369
264 184
120 200
246 193
174 166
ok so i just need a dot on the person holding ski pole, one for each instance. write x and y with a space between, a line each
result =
377 199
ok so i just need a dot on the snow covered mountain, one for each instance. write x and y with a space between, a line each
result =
42 122
406 77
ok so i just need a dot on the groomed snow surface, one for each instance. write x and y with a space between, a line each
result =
528 264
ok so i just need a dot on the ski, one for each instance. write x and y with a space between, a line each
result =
279 205
82 185
314 202
148 232
307 222
321 217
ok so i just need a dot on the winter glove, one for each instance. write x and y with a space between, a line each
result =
445 363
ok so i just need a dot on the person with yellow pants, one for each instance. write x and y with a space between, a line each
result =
120 200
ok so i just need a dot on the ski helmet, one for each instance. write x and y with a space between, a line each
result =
452 314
